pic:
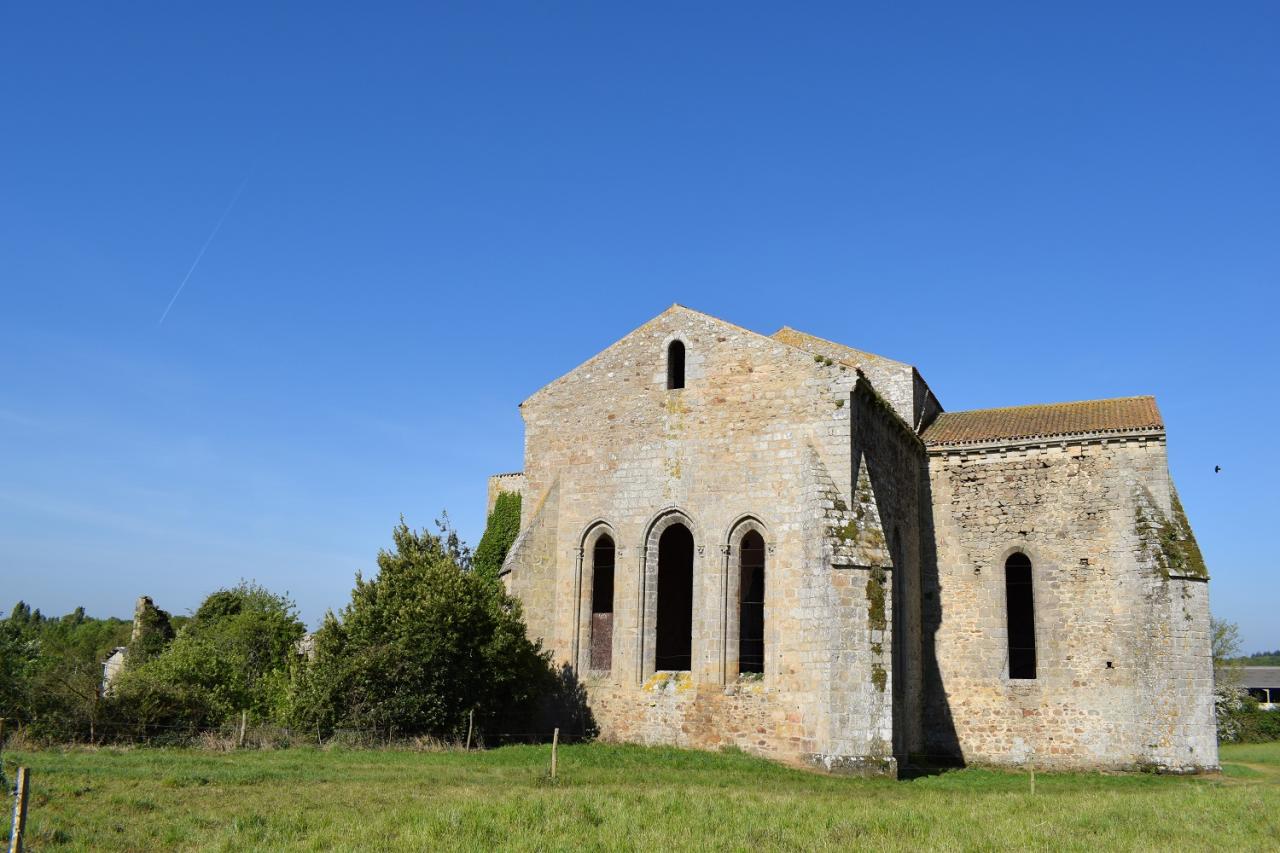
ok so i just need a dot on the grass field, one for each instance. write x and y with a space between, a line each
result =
617 797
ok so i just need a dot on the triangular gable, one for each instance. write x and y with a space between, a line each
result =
675 309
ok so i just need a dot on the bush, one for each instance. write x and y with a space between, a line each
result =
51 671
1242 720
418 648
232 656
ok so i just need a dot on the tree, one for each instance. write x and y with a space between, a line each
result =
51 670
499 534
1225 645
18 654
233 655
420 646
1231 705
68 676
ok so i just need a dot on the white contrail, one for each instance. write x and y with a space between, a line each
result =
196 262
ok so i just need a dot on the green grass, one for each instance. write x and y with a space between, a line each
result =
611 797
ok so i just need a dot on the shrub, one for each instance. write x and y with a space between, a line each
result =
232 656
1242 720
419 647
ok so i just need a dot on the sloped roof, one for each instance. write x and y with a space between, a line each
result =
1124 414
851 356
1260 676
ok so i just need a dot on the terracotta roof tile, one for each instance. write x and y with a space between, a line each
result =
1043 421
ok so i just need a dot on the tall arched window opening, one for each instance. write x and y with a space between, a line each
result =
675 365
751 608
602 562
673 646
1020 603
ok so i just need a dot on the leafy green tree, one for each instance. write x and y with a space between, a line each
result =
18 654
1260 659
419 646
1224 644
51 670
499 534
233 655
67 679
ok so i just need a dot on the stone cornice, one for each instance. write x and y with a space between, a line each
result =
1045 442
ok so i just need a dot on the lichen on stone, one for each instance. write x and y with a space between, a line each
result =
847 533
879 677
1168 542
877 618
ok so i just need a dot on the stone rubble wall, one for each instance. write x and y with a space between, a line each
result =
1123 672
885 623
500 483
529 569
760 436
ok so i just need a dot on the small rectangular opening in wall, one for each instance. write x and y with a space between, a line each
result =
1020 609
751 611
675 366
602 562
673 633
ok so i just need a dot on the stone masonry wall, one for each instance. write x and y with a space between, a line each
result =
890 459
500 483
1123 674
758 439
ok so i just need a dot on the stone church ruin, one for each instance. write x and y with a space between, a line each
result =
787 545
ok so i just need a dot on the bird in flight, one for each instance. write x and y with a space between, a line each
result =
1217 469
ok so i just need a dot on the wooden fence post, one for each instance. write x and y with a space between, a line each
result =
244 718
19 810
471 721
555 742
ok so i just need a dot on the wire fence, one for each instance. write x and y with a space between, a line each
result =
245 734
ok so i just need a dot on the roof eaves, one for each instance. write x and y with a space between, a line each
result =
1048 437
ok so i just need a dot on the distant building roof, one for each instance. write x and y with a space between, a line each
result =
1260 676
1125 414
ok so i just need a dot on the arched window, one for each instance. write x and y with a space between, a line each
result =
751 607
1020 603
673 646
675 365
602 562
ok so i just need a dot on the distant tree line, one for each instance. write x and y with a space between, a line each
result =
1260 659
430 645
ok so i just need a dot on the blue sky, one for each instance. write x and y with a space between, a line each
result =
445 208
